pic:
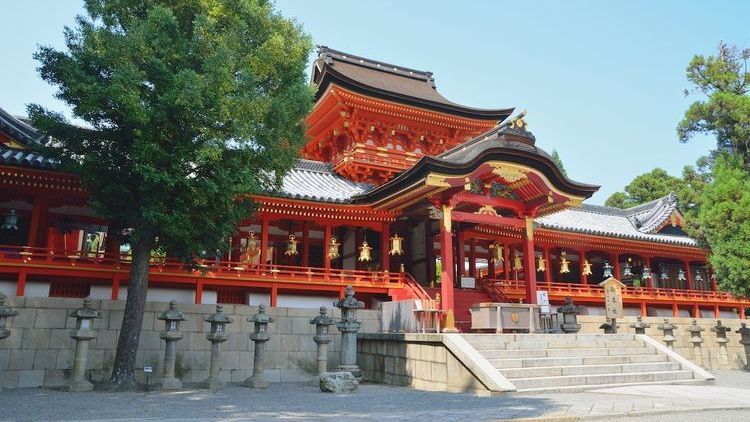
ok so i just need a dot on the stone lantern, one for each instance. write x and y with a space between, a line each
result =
609 326
721 338
322 338
172 318
569 312
83 333
216 336
349 327
695 337
744 333
260 336
5 313
640 326
668 329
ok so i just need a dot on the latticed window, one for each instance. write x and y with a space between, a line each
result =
69 289
231 296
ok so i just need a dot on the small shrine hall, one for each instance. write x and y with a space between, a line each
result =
399 192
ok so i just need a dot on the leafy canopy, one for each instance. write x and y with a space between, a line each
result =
558 162
189 106
725 220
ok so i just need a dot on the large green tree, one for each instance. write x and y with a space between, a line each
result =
189 106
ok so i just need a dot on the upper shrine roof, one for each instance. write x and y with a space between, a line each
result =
390 82
15 135
641 222
316 181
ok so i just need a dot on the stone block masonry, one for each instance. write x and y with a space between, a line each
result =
39 351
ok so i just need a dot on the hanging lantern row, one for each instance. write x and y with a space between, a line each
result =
333 248
396 245
564 263
291 246
647 273
586 267
365 252
541 265
607 270
496 251
517 262
627 269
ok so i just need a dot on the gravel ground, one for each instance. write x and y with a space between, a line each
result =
371 402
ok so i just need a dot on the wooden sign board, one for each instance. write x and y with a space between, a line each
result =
612 297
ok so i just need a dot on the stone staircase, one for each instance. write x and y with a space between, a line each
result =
565 362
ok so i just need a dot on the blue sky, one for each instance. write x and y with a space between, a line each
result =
602 81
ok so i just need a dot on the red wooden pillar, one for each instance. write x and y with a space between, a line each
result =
385 235
742 312
306 244
473 257
38 219
115 287
644 310
264 240
490 266
461 256
649 281
717 314
696 311
506 262
618 275
446 258
326 245
274 295
198 292
548 272
21 284
688 275
528 255
675 310
429 247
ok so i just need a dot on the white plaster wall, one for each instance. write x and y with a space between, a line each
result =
162 294
99 291
292 301
8 288
37 289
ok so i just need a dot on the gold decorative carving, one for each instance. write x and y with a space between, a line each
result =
515 318
529 228
437 180
487 210
509 173
447 217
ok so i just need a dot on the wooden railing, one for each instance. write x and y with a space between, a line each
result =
515 290
41 259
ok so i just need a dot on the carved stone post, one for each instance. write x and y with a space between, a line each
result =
721 338
172 318
349 327
260 336
640 326
217 336
668 329
82 334
744 333
695 338
322 338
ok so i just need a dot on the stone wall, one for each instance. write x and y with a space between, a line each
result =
683 346
39 351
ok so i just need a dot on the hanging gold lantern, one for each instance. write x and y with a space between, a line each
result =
517 262
542 265
291 247
564 263
497 253
364 252
396 245
252 245
586 267
333 248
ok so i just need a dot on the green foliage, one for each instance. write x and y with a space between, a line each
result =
725 82
725 220
189 106
558 162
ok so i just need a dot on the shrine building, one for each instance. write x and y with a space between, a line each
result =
400 193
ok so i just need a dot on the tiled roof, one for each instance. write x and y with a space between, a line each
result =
24 158
316 181
17 128
615 222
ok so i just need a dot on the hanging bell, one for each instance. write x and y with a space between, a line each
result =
333 248
396 245
291 246
10 222
364 252
586 267
541 265
517 262
564 263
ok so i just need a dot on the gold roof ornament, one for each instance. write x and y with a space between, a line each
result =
396 245
586 267
291 246
364 252
333 248
564 263
517 262
542 264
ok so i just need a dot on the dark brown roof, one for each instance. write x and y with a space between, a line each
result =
390 82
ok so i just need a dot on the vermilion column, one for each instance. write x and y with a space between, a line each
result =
385 235
473 257
618 275
528 256
429 247
506 262
326 245
650 281
446 258
306 244
688 275
38 215
548 272
460 258
21 284
581 261
264 240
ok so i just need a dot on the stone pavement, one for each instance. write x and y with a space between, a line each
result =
294 401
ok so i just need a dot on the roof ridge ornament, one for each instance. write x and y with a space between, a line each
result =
519 122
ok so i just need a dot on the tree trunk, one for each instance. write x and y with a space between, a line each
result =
123 371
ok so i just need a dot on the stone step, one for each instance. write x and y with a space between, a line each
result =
599 379
593 388
551 371
549 337
502 345
575 361
550 353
